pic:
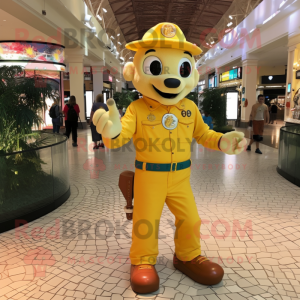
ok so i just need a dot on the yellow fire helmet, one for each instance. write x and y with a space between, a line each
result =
165 35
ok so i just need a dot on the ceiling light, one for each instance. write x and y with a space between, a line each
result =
282 3
104 10
130 57
270 77
118 34
98 16
273 86
212 42
270 18
207 43
119 43
229 24
231 17
234 67
112 37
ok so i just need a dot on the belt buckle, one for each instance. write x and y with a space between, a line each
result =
172 167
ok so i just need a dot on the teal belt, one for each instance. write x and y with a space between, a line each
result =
163 167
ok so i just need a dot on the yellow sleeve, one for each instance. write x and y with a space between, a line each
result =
203 135
128 122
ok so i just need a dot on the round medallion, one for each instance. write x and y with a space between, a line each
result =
169 121
189 113
183 113
168 30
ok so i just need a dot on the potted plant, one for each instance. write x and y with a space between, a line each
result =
21 167
124 98
214 103
193 96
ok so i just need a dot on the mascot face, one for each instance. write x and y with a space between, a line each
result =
164 74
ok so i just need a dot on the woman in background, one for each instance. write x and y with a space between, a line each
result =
71 112
96 137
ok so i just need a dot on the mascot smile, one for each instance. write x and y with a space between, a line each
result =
162 125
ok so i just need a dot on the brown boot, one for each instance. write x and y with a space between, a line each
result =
200 269
144 279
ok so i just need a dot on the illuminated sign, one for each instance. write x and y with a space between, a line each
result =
35 66
32 51
231 75
224 76
232 106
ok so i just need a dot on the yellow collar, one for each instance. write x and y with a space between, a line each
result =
153 104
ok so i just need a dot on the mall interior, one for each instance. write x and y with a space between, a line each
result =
108 204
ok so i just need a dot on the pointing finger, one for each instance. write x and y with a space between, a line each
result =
113 110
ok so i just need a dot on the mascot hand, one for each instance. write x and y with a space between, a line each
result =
233 142
108 122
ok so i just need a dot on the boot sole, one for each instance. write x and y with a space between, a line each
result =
144 290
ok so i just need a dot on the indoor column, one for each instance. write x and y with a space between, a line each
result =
77 84
250 72
98 78
119 83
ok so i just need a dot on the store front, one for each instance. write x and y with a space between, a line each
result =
212 80
273 87
292 113
109 85
42 61
232 81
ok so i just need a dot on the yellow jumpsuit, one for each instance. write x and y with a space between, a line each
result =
152 189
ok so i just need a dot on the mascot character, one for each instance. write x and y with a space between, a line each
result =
162 125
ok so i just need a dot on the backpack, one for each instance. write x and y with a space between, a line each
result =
72 114
52 112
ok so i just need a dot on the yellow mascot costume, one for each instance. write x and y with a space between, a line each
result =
162 125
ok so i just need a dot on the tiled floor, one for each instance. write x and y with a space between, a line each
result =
251 225
271 134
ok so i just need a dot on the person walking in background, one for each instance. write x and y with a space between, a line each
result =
96 137
71 112
273 113
55 115
120 112
208 120
259 117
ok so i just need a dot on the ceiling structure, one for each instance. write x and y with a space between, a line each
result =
128 20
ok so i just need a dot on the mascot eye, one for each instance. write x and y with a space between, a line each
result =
185 68
152 66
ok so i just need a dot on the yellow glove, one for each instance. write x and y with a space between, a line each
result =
108 122
233 142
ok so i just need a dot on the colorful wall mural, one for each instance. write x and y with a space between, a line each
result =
24 51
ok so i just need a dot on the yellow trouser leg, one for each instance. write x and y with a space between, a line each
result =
150 192
181 202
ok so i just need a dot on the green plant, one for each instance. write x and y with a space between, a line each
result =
124 98
193 96
214 103
21 99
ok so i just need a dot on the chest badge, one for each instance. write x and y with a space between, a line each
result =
169 121
183 113
151 117
189 113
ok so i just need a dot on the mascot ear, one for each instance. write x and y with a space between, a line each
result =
129 71
196 77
